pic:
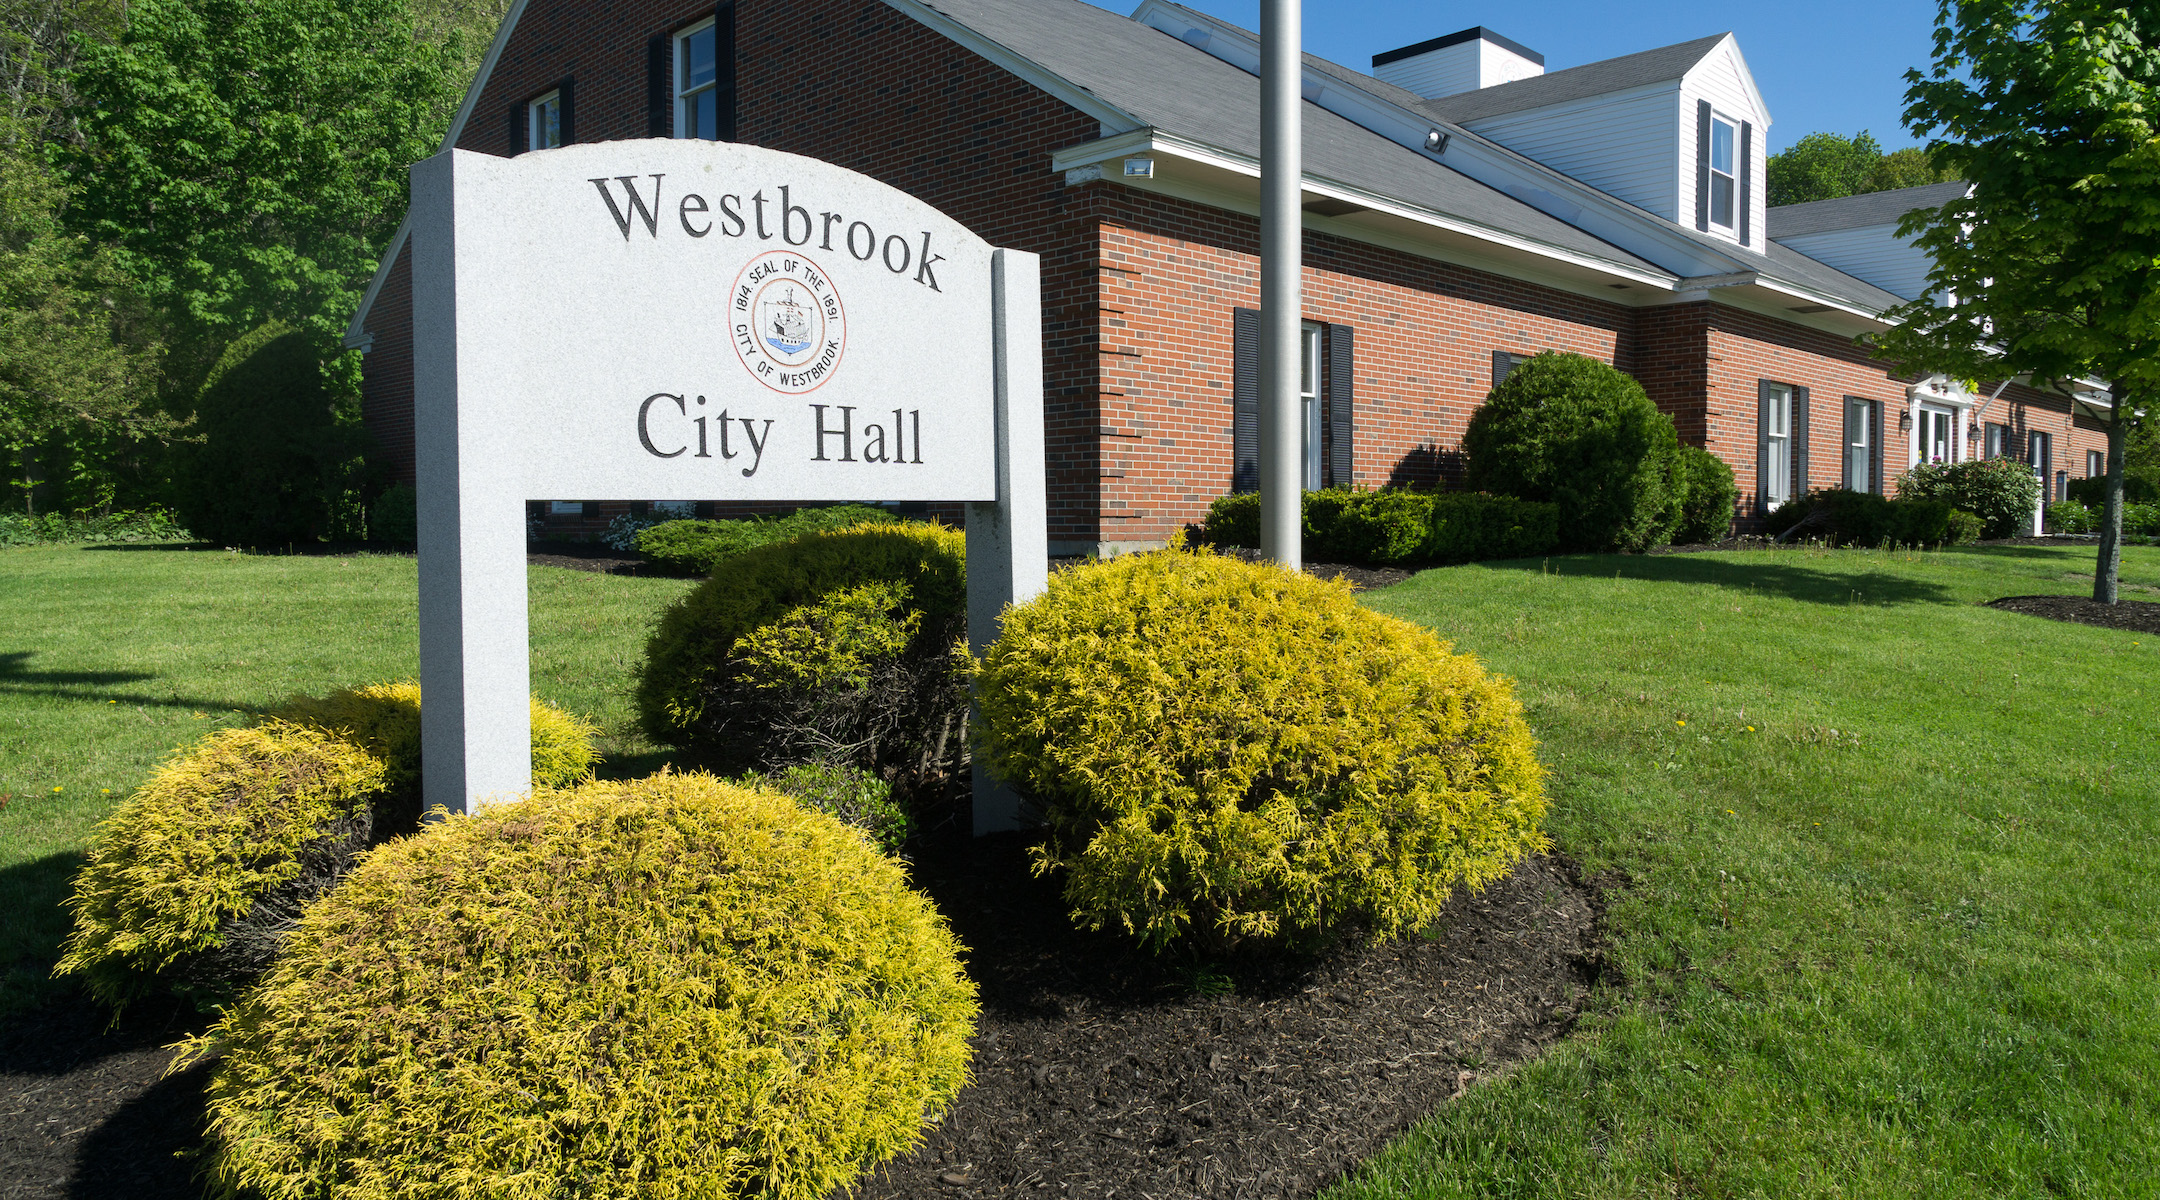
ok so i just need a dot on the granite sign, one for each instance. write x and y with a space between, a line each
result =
690 320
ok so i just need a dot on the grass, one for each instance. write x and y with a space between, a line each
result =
110 657
1890 918
1890 923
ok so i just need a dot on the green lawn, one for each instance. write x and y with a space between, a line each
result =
110 657
1891 920
1890 923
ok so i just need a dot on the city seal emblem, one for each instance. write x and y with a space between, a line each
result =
787 322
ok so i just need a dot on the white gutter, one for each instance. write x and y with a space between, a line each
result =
1160 144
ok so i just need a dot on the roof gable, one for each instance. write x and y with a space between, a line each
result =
1666 64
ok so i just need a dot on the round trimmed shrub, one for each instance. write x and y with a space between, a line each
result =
833 647
675 987
247 822
384 720
1708 496
1999 491
1572 430
1226 751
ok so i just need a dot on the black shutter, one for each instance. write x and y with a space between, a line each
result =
566 103
1342 355
1762 445
658 54
1747 176
1845 479
1702 165
724 69
1503 365
1245 401
520 130
1799 441
591 508
1876 483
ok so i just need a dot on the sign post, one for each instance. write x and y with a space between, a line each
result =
689 320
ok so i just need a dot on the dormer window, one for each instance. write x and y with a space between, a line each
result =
1724 184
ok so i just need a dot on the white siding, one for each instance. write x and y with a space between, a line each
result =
1463 67
1620 143
1722 78
1874 253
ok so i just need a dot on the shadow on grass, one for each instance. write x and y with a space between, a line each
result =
15 676
1758 574
2057 553
31 894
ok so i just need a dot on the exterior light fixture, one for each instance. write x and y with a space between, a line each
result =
1139 168
1904 420
1435 142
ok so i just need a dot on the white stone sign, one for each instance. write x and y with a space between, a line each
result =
690 320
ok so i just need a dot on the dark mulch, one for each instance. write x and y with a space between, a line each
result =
585 556
1100 1070
2137 616
86 1112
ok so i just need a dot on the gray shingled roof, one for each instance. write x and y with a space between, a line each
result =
1178 89
1575 83
1859 212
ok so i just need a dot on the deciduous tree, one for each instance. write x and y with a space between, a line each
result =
2051 266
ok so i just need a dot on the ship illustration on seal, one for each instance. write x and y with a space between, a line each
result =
787 324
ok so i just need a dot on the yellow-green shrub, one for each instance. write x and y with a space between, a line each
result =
834 646
244 815
384 720
676 987
1229 750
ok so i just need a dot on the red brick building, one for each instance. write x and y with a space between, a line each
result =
1464 207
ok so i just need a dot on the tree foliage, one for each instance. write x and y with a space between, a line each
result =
2052 264
246 159
1826 166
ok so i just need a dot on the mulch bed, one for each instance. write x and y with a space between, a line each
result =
1099 1069
585 556
2136 616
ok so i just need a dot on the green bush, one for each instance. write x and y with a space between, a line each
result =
274 459
2068 516
833 647
670 988
1838 516
1921 521
151 525
2092 493
850 795
1708 496
1396 526
248 821
1325 764
254 805
1576 432
2000 491
2142 519
692 547
395 516
384 720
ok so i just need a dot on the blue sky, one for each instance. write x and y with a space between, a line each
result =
1835 65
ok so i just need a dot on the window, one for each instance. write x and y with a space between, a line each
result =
2095 464
1859 444
2040 455
1998 440
704 108
1309 394
1504 364
665 509
543 122
567 508
1776 482
1724 185
1938 440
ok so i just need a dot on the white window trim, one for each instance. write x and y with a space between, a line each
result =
1732 227
1860 469
1309 393
534 110
1776 486
681 66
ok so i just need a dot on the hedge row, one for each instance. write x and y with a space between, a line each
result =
1394 527
1849 518
692 548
